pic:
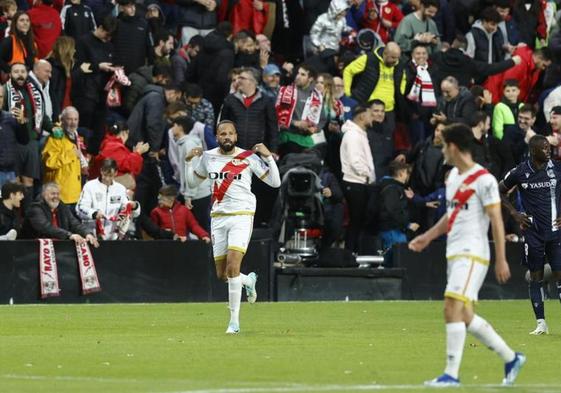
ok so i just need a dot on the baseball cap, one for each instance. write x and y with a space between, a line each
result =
271 69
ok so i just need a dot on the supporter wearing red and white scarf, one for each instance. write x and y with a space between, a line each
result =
422 90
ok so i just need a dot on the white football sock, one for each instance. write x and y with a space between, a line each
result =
245 279
234 298
485 333
455 339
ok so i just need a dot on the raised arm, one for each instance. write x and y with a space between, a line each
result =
271 175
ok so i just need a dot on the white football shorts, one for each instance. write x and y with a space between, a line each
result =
230 233
465 276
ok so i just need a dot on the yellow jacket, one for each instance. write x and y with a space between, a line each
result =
62 166
384 89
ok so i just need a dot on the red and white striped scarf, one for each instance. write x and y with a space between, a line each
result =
422 90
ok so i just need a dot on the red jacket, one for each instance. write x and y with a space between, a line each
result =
113 147
526 73
178 220
46 25
388 11
245 17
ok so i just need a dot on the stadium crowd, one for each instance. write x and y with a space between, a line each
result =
102 101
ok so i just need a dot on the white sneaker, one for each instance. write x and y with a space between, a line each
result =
12 234
233 328
250 291
541 328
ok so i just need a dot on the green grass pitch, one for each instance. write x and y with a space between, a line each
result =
283 347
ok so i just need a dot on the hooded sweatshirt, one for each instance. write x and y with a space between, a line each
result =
327 30
484 46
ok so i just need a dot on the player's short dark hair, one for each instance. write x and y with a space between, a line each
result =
490 14
511 83
460 135
430 3
395 167
108 165
185 122
527 108
168 191
536 141
224 122
11 188
477 118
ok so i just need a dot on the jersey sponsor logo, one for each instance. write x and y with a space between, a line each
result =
542 184
453 204
224 176
237 162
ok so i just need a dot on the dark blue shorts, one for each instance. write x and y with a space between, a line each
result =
538 251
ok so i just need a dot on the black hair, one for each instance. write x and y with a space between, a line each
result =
117 127
163 70
477 118
503 4
184 122
168 191
396 166
109 24
11 188
376 101
196 40
536 141
309 69
359 110
224 122
430 3
490 14
511 83
162 35
527 108
108 164
460 135
192 90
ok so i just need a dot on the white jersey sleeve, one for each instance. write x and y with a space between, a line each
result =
487 189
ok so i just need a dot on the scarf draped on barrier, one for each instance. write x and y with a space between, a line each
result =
48 271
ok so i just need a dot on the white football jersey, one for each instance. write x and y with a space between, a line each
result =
230 177
468 225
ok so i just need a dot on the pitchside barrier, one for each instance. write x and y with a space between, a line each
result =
171 271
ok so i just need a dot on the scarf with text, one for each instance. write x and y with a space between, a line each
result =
15 96
48 272
122 222
286 103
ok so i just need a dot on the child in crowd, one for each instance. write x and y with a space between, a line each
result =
505 113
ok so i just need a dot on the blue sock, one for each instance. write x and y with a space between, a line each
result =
536 297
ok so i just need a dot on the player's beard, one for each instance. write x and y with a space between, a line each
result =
227 146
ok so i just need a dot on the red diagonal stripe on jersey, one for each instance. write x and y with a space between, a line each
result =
233 170
461 196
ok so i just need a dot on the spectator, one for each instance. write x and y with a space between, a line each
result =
77 19
358 172
196 199
517 137
527 72
129 164
49 218
196 18
554 131
380 139
394 214
200 108
22 95
103 200
270 85
156 20
507 27
164 42
13 132
40 77
146 121
454 62
421 97
159 75
529 17
485 42
183 58
10 219
333 208
8 9
246 50
328 28
172 216
381 77
46 25
62 64
299 112
332 109
211 67
419 28
507 110
19 46
131 40
63 159
456 104
250 15
382 16
94 61
253 114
